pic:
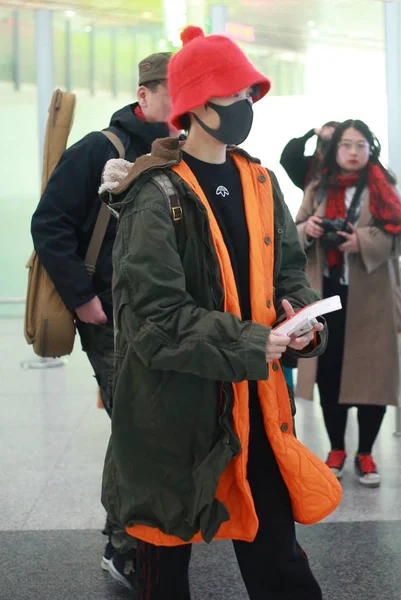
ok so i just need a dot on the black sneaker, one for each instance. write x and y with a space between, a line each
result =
122 569
108 554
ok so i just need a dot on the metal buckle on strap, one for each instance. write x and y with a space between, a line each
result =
176 212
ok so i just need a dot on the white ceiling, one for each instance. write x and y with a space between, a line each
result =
292 24
297 23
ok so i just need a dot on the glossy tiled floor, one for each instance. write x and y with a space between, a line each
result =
53 441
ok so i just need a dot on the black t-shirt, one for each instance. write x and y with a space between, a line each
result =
222 187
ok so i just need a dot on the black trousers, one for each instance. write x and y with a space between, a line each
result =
273 567
329 373
98 343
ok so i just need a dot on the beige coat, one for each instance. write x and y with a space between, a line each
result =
371 367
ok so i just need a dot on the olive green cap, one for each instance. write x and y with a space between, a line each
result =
154 67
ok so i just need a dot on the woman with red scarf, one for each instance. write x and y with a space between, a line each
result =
350 225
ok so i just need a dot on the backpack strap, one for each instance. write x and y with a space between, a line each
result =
127 140
165 185
103 218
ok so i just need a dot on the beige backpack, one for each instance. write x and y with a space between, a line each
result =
49 326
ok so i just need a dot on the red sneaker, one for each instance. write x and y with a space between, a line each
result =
336 461
366 471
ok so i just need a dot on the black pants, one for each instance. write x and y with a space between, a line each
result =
273 567
98 343
335 415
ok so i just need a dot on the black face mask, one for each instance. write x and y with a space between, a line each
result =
235 122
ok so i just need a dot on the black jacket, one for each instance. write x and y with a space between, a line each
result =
63 223
294 161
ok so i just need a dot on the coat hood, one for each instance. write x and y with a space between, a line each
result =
119 175
126 119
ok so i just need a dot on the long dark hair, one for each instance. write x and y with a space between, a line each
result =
330 168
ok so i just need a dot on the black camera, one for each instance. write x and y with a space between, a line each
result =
330 240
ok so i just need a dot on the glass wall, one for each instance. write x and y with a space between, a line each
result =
99 63
19 158
323 65
326 61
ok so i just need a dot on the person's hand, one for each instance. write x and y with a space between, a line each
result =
276 346
302 342
91 312
351 241
326 133
313 229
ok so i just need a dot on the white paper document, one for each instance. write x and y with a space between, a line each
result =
312 311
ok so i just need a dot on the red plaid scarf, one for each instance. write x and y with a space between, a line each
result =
385 204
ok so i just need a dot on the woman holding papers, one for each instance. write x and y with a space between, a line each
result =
350 226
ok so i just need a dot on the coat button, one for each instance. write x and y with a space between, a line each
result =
268 303
284 427
262 178
267 240
275 367
280 231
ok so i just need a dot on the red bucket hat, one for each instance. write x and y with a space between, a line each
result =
209 66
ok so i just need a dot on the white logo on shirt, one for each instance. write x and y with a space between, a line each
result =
222 191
